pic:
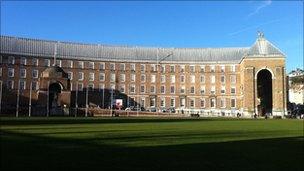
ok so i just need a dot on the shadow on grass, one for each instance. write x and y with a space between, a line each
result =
96 120
21 151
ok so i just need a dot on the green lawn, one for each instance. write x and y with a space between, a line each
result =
151 144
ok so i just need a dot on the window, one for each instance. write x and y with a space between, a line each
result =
122 67
162 102
10 84
192 68
101 66
203 103
142 67
223 103
142 102
153 78
232 90
80 64
112 66
11 72
58 62
91 86
172 89
203 89
91 65
172 102
132 67
202 79
232 79
91 76
47 62
192 78
162 89
80 76
101 87
182 68
70 64
212 68
0 72
153 67
172 68
213 90
143 78
35 62
23 73
212 78
182 78
162 78
22 61
212 103
232 68
35 85
172 78
162 68
233 103
182 102
142 89
80 86
22 85
202 68
223 89
132 77
70 75
112 77
122 88
152 89
192 102
182 89
11 60
152 102
222 79
112 88
101 76
35 73
132 88
223 68
192 89
122 77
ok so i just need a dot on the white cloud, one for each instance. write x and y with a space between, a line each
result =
253 27
257 9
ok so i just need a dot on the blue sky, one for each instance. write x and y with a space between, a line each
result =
161 24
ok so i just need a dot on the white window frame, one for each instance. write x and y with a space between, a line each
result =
33 73
91 76
21 71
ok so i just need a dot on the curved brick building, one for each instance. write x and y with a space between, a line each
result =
41 77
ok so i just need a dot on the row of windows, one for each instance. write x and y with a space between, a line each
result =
122 66
132 89
11 73
122 77
22 85
191 102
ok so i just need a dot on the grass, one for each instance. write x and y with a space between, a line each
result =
151 144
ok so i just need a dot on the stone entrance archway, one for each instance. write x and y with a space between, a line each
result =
54 95
54 91
264 92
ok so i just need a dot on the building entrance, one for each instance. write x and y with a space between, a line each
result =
264 92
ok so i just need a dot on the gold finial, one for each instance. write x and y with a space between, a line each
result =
260 34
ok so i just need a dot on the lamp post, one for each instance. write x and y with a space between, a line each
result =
158 61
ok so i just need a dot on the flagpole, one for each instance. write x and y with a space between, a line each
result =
0 96
86 110
30 100
18 96
76 101
48 100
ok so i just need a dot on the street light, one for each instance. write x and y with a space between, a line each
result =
158 61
